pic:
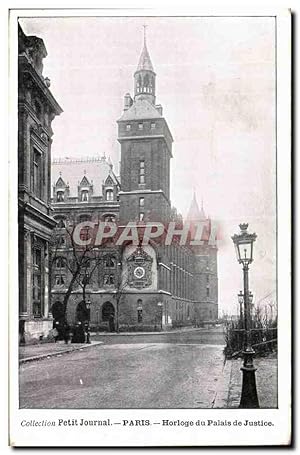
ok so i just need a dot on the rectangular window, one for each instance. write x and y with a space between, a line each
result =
153 126
60 196
109 279
140 126
207 292
37 283
37 174
60 240
109 195
140 315
128 127
142 202
59 280
141 216
142 172
84 196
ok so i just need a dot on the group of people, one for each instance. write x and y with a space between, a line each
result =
62 331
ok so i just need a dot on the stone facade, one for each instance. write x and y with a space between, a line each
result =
132 287
36 110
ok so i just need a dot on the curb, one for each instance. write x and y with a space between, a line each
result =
59 353
222 393
147 333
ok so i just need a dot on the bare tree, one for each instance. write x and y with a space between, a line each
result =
81 265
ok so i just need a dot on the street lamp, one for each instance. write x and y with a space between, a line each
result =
243 243
160 306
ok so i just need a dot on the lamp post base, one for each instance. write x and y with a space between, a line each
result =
249 397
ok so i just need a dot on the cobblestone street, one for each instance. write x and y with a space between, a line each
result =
183 369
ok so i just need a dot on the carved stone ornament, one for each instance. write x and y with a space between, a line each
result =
139 265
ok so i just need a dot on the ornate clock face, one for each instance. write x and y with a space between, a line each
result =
139 272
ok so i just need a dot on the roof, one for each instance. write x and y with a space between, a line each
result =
73 170
141 109
145 61
194 213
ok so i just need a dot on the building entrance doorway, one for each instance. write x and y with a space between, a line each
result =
108 315
58 312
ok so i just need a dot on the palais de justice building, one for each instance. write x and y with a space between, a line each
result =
37 108
140 287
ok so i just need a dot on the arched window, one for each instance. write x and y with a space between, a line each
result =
139 83
110 262
109 195
146 80
109 218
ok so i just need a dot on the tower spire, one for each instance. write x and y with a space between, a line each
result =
145 26
144 77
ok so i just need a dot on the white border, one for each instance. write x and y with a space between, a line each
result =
153 436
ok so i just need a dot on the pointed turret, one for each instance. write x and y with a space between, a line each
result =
194 213
145 60
144 77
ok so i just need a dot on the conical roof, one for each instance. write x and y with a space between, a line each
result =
145 61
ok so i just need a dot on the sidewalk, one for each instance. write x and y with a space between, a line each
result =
163 332
229 391
32 352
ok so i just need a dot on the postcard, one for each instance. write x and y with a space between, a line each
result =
150 194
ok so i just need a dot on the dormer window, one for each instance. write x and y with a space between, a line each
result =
109 195
84 196
60 196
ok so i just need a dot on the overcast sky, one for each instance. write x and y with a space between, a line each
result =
216 82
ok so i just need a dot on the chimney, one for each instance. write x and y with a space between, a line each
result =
127 101
159 108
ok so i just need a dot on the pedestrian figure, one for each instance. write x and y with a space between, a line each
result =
55 334
66 333
111 323
79 336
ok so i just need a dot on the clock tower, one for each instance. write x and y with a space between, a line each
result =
146 150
